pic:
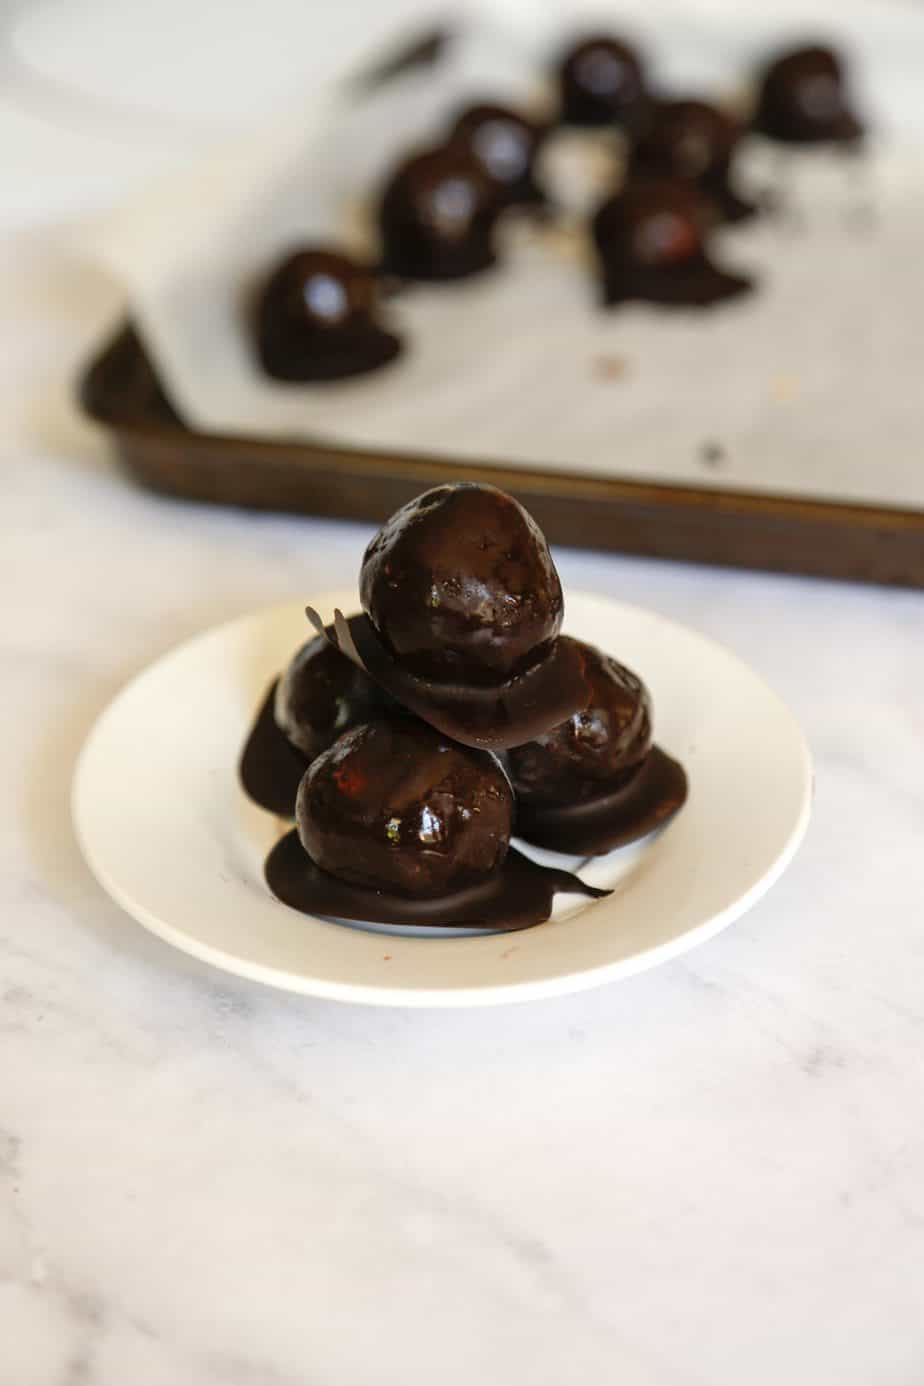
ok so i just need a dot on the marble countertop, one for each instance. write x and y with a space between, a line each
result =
708 1175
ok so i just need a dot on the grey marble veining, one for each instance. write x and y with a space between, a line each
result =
710 1174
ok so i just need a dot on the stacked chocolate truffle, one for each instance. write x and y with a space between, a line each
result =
414 739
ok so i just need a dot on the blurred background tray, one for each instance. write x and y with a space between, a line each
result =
733 528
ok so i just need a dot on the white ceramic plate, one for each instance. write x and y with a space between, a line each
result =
168 833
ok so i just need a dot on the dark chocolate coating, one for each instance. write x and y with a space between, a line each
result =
603 83
803 100
609 735
322 694
696 141
633 805
650 240
271 768
516 896
505 144
490 717
394 806
437 217
460 584
317 319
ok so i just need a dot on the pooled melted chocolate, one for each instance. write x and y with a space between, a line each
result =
644 799
492 717
516 896
270 767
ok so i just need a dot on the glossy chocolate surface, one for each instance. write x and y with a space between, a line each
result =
603 83
437 217
516 896
505 144
396 806
322 694
695 141
460 584
642 799
490 716
803 99
271 768
608 735
650 240
317 320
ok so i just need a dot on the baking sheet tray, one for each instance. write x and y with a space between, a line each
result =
811 505
740 529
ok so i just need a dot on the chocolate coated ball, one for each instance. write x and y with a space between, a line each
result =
608 737
603 83
803 99
686 139
460 585
317 319
694 141
323 694
505 144
651 223
397 807
650 242
437 217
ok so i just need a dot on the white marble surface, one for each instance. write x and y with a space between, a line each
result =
710 1175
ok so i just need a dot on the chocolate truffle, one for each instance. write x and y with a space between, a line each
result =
609 735
596 782
696 141
603 83
396 807
323 694
317 319
505 144
437 217
803 99
460 584
650 242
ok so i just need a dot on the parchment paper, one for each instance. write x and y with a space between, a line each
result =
809 386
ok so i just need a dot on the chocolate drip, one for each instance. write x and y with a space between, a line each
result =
490 717
270 767
644 799
517 896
